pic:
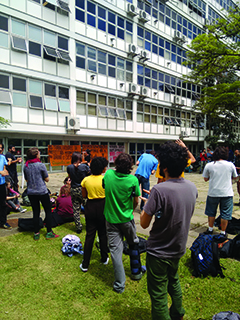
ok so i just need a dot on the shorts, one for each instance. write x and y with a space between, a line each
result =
226 207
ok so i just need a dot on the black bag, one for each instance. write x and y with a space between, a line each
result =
226 315
233 226
26 224
205 256
25 200
141 246
235 247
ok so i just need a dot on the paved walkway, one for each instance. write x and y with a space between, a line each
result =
198 222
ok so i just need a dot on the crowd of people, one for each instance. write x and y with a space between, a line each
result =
110 198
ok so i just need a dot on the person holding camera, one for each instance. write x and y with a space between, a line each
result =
203 159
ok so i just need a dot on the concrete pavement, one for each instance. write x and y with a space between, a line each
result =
198 222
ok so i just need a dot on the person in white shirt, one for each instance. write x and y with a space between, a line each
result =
219 173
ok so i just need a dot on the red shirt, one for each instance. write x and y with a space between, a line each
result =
64 206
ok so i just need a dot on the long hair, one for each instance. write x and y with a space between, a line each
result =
220 153
76 156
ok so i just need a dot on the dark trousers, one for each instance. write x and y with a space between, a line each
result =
144 183
95 222
3 211
35 203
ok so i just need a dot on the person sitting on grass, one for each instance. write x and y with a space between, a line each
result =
12 199
95 221
66 183
64 205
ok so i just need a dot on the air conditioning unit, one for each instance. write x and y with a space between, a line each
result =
184 39
177 35
178 100
132 10
133 89
133 50
143 16
144 91
72 123
144 55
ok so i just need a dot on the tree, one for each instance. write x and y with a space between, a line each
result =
215 58
4 122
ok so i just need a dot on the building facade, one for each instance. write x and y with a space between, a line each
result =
100 72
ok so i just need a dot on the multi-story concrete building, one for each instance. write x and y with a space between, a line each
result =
99 72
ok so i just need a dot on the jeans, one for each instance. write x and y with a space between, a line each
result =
3 209
35 203
162 278
226 207
144 183
116 232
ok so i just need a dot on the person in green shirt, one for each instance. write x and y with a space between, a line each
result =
122 192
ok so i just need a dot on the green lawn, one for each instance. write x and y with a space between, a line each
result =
38 282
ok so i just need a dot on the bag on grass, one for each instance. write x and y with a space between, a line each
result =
141 246
205 257
71 244
26 224
226 315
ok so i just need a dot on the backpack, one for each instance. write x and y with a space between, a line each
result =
205 257
141 246
26 224
233 226
226 315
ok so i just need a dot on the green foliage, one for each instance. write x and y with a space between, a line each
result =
4 122
216 62
38 282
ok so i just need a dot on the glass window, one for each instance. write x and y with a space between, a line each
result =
91 53
62 43
111 60
49 38
92 110
34 48
81 96
63 92
19 84
92 98
34 33
64 105
102 100
51 104
111 17
128 26
80 49
92 66
111 72
80 15
101 25
111 29
120 22
4 81
80 62
91 20
101 12
36 102
4 39
80 4
19 44
3 23
35 87
18 28
129 66
102 56
111 102
19 99
50 90
91 7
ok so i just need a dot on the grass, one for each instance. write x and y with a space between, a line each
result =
38 282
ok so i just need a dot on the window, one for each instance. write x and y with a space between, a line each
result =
4 81
64 6
19 44
62 43
34 48
50 90
3 23
63 92
50 52
5 97
19 84
36 102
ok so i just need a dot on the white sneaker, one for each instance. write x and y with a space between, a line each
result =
83 269
23 210
106 262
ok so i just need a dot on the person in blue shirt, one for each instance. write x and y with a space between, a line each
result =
3 173
147 165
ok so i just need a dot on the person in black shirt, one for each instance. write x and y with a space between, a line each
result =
77 171
12 166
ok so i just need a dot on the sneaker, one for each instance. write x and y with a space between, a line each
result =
51 235
6 226
208 232
137 276
106 262
23 210
36 236
83 269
